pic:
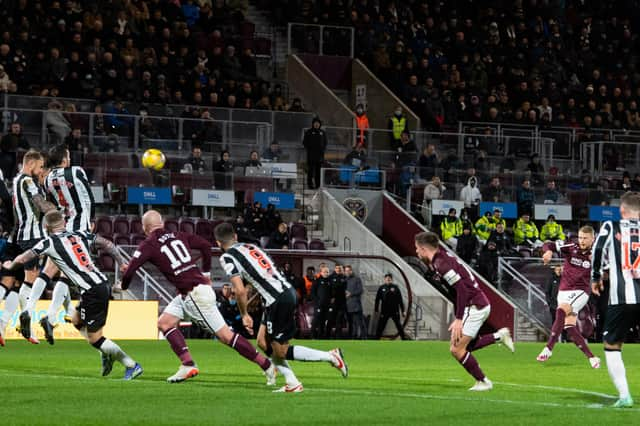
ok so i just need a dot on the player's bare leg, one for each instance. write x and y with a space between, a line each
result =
459 351
264 343
618 374
109 349
169 326
293 385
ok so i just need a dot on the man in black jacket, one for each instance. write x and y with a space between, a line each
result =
321 295
390 298
315 142
338 302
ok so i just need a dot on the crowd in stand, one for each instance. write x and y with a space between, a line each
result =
566 63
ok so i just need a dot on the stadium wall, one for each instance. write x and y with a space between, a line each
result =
398 229
373 200
435 310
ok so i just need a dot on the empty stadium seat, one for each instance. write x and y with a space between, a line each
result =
106 263
121 225
121 239
299 244
187 225
297 230
171 225
136 239
204 228
316 244
135 226
104 226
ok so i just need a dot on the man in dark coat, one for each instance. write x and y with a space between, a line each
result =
315 142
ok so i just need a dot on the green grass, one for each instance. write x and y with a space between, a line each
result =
390 383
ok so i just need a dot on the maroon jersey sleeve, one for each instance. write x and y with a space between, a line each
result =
461 278
196 242
139 257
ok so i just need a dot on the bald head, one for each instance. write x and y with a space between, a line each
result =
151 221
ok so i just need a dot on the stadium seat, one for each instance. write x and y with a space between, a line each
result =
135 226
121 239
299 244
106 263
316 244
136 239
187 225
104 226
204 228
171 225
121 225
297 230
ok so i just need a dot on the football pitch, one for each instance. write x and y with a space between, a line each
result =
390 382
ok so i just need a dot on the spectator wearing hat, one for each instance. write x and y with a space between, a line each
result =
470 195
390 306
552 230
362 125
315 143
451 229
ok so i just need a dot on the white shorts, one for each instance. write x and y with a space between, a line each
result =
199 306
473 319
576 298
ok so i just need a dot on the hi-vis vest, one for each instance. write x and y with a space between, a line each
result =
398 126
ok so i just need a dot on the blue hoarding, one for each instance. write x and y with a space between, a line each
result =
137 195
602 213
509 210
281 200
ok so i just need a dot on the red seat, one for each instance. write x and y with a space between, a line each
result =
121 225
104 226
136 239
183 181
316 244
299 244
106 263
171 225
129 177
204 228
187 225
121 239
297 230
135 226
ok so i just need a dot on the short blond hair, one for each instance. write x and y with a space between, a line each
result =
587 229
631 201
31 155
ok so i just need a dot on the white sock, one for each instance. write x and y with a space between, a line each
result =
302 353
10 306
66 303
60 292
617 372
36 291
23 296
283 367
111 348
496 336
3 291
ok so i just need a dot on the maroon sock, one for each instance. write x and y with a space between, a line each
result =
481 342
471 365
556 328
579 341
179 346
244 348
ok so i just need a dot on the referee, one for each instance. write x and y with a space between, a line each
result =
619 242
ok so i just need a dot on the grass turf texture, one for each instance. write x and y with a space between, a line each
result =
391 382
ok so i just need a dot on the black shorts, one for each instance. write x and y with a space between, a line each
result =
618 321
28 245
279 318
94 307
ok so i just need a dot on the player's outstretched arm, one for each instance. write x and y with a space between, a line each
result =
20 260
107 246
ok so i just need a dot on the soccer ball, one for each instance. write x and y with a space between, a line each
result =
153 159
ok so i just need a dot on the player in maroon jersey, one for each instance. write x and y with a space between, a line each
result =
471 306
170 252
573 293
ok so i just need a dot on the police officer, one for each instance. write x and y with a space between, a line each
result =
315 142
321 295
451 228
390 298
552 230
397 124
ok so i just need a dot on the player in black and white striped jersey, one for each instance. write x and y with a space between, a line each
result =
29 205
70 253
619 243
249 263
70 191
